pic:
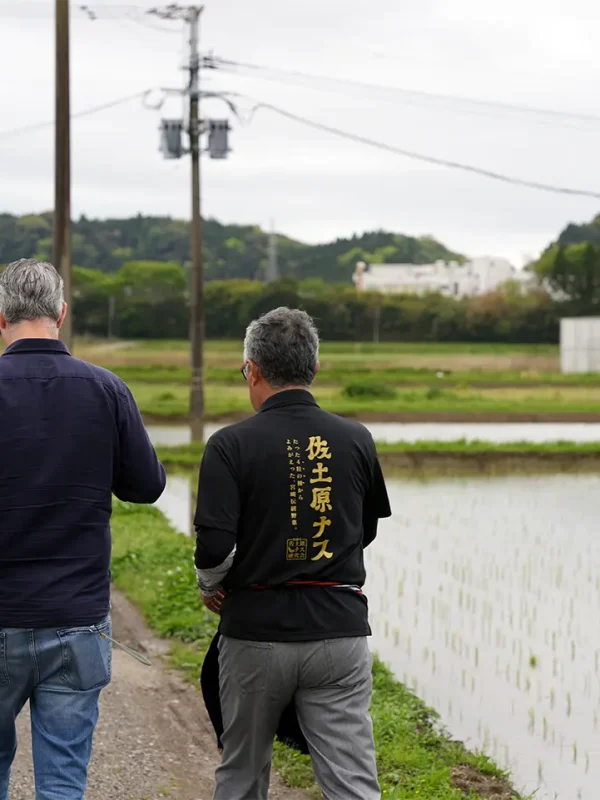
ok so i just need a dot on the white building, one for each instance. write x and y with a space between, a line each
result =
477 276
580 344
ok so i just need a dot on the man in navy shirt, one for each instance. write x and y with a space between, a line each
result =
70 436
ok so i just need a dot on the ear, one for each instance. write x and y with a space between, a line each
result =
318 368
3 322
63 314
254 375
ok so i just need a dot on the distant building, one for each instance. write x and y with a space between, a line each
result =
580 344
477 276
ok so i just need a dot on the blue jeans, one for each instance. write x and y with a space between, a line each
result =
61 673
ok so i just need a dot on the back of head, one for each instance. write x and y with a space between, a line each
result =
284 344
31 291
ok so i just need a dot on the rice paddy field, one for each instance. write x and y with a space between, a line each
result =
400 381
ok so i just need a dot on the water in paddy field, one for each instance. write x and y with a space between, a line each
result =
434 431
177 502
485 599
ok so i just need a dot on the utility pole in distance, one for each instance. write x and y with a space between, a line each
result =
272 265
172 147
197 327
62 163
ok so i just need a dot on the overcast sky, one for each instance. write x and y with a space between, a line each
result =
315 186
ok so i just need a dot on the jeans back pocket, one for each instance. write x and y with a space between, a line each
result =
87 657
3 660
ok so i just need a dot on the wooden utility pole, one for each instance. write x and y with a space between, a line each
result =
272 265
197 293
62 163
171 148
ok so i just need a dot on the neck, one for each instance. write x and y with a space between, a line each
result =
288 389
38 329
271 391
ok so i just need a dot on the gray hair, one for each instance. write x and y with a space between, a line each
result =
30 290
284 343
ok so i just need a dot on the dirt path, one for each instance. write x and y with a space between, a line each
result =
154 739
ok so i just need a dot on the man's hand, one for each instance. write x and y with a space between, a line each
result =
213 603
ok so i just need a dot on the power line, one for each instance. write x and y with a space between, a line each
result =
277 74
42 9
486 173
129 14
36 126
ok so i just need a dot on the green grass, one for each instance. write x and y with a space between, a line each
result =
171 401
396 376
464 446
153 566
191 454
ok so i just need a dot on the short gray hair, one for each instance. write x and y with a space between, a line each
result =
284 343
30 290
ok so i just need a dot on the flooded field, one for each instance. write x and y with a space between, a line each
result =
485 596
435 431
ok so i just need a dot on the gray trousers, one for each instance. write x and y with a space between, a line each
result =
331 683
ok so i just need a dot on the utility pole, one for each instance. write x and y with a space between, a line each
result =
172 147
111 317
377 320
197 295
62 163
272 266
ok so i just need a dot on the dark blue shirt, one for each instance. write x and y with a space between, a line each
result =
70 436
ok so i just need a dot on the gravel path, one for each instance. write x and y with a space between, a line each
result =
154 739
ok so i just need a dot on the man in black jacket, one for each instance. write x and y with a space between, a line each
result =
287 502
70 435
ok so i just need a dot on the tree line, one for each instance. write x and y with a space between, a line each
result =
151 300
230 251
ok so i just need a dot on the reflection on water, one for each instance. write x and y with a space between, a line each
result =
484 599
174 435
435 431
177 502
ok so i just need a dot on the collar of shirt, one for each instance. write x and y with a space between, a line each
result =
37 346
289 397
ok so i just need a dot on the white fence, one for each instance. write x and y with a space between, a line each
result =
580 344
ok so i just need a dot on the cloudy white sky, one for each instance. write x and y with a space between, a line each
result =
541 53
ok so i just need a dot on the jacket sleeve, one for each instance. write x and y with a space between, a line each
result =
376 504
139 475
217 513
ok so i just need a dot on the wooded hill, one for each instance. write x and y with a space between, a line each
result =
231 251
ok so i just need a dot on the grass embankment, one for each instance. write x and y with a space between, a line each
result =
458 457
395 376
224 401
153 566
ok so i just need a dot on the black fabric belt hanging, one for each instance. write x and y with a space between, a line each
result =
288 731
